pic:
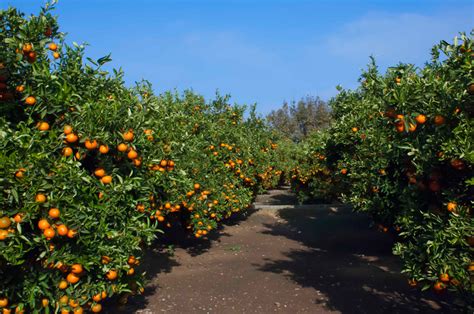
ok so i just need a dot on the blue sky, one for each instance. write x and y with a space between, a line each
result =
260 52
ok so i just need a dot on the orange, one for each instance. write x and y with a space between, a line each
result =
439 120
73 303
90 145
97 297
45 302
103 294
43 126
137 162
68 129
439 286
5 222
49 233
77 269
62 284
71 233
106 179
30 100
412 127
3 234
163 163
40 198
64 299
43 224
344 171
105 260
67 151
444 277
71 138
132 154
112 274
96 308
20 173
131 271
412 282
354 129
420 119
20 88
27 48
72 278
53 47
128 136
104 149
62 230
18 218
99 172
3 302
54 213
451 206
197 186
122 147
56 55
398 80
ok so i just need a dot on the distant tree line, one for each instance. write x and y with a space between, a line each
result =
296 120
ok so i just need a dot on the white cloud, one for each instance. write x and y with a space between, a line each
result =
396 37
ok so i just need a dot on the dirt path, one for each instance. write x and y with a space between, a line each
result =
287 259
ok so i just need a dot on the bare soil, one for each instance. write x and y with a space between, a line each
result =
283 258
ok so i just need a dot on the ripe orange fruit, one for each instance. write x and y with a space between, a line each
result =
398 80
90 145
40 198
53 47
20 88
30 100
45 302
354 129
43 224
62 230
77 269
439 120
344 171
122 147
420 119
163 163
62 284
56 55
49 233
412 127
451 206
54 213
3 302
137 162
96 308
132 154
103 294
20 173
106 179
67 151
71 138
104 149
71 233
97 297
128 136
43 126
439 286
27 48
3 234
105 260
197 186
111 274
444 277
412 283
5 222
131 271
72 278
99 172
18 218
68 129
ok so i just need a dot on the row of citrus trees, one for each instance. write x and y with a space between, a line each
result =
91 171
401 149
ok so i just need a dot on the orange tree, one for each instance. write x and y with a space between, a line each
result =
401 149
91 171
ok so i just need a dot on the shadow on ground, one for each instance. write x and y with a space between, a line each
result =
351 265
159 259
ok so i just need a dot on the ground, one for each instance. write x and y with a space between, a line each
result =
283 258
